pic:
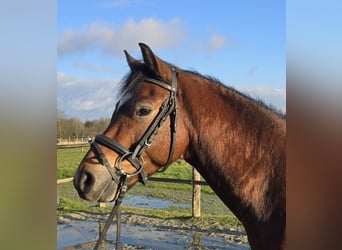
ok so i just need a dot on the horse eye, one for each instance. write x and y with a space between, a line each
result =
144 111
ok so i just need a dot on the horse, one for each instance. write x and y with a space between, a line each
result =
164 113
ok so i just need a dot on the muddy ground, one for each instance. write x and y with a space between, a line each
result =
141 231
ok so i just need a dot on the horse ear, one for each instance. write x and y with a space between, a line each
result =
149 58
132 62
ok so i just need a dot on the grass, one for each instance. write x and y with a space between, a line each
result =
214 214
69 159
67 205
186 217
176 215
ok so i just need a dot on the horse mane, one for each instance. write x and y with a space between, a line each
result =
257 101
263 117
132 81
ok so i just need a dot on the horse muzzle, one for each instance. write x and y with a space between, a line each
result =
93 183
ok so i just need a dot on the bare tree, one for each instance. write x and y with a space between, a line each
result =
74 128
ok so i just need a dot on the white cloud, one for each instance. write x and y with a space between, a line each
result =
210 43
64 80
93 68
266 91
79 94
216 42
91 102
113 40
275 97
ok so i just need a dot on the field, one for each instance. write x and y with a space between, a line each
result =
143 204
68 160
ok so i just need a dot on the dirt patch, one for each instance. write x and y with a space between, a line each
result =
149 232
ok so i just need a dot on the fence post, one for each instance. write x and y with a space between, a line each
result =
196 194
101 204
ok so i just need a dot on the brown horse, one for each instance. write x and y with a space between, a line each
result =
165 113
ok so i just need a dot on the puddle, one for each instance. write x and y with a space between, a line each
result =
80 230
148 203
83 235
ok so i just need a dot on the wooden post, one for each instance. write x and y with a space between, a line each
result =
102 204
196 194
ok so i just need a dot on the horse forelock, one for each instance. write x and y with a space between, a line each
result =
132 81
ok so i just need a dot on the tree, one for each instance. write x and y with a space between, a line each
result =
74 128
95 127
61 124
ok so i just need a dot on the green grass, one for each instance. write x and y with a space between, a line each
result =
205 221
214 214
69 159
67 205
176 214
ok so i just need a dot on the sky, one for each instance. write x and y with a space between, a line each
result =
241 43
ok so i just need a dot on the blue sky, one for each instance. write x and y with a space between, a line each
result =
242 43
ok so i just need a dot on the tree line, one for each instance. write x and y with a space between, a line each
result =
74 128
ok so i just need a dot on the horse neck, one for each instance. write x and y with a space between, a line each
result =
236 145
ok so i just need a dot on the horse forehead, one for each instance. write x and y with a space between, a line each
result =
125 98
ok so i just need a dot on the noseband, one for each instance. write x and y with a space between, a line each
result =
134 157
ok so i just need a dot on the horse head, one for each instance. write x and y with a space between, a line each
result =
144 134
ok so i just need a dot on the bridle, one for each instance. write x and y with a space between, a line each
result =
134 157
168 108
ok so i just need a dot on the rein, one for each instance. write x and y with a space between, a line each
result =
119 176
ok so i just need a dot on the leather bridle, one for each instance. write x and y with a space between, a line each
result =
134 157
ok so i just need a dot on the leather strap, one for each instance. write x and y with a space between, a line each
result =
168 108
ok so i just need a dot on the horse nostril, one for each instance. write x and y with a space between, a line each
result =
86 181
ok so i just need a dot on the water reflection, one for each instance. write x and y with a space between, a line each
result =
149 203
83 234
196 241
81 231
